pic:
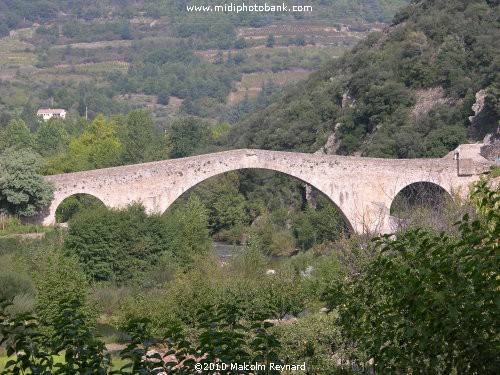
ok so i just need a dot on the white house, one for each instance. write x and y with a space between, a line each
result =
49 113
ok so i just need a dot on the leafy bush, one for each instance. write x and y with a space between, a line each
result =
13 283
116 245
427 301
60 278
222 338
23 191
317 340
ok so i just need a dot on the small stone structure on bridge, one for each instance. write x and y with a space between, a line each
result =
361 188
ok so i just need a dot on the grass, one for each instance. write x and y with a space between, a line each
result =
13 226
116 360
17 58
90 68
8 44
47 77
14 52
495 172
251 83
95 45
280 78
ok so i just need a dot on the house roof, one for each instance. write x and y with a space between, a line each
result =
56 111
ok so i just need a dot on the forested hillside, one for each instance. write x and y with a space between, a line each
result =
403 92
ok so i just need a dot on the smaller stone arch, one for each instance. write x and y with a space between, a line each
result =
426 197
74 203
48 215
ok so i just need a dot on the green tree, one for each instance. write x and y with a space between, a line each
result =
22 190
60 278
240 43
227 206
163 97
97 147
28 115
186 136
315 226
116 245
16 135
51 138
138 137
4 30
187 230
270 41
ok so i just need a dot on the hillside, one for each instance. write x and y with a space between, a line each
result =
21 13
405 92
112 56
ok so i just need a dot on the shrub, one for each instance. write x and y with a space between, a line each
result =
428 301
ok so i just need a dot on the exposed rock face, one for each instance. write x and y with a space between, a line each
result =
332 143
477 107
427 98
481 120
491 148
347 101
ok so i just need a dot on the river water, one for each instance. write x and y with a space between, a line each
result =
226 250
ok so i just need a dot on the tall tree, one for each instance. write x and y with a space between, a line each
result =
58 278
22 190
187 230
186 136
16 135
137 137
97 147
51 138
28 115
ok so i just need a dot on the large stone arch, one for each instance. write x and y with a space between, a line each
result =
186 188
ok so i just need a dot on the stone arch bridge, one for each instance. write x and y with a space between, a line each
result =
361 188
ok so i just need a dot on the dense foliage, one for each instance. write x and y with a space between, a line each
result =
221 339
123 245
415 302
418 301
79 144
23 191
404 92
429 301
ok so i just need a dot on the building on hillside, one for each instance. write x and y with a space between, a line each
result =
47 114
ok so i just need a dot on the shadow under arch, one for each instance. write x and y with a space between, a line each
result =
348 225
419 195
74 203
